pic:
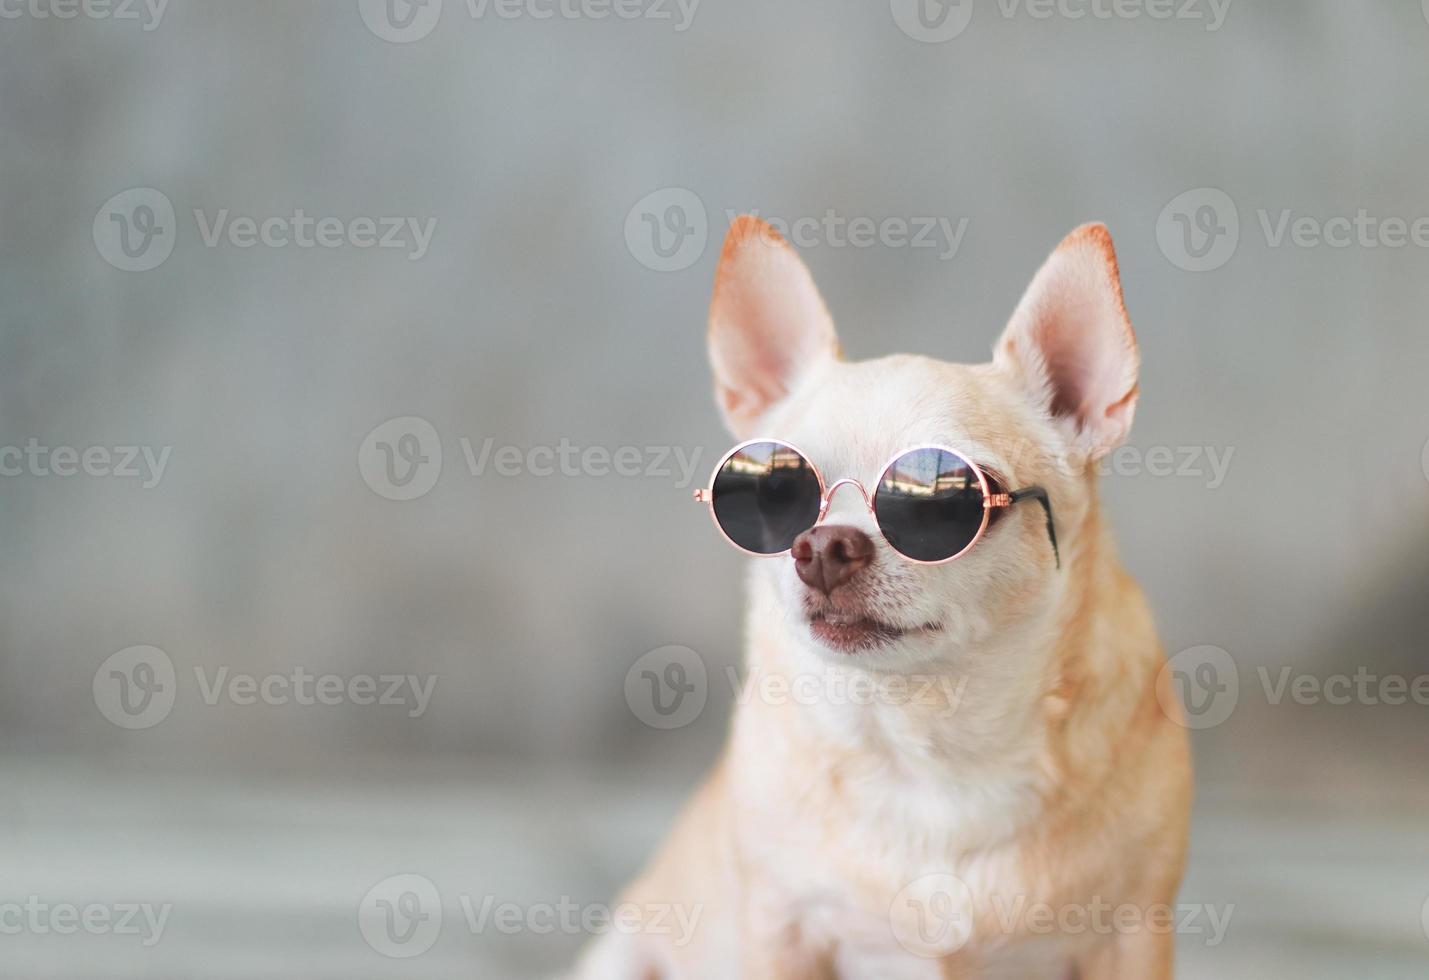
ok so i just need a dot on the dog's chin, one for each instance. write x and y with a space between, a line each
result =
859 632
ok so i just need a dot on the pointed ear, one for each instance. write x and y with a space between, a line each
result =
768 324
1071 343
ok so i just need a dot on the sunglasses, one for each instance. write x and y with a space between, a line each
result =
931 503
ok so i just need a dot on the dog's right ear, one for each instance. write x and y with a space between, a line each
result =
768 324
1071 343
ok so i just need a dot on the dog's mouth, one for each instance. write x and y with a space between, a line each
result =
854 631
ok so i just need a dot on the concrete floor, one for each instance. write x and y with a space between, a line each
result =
265 874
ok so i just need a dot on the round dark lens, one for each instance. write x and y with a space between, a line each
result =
929 505
765 496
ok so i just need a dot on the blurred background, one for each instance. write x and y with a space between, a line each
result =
352 389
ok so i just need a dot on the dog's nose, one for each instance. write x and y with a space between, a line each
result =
829 555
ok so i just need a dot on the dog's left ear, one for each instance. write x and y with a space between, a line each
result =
1071 344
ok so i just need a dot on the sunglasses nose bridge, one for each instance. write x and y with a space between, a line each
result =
827 501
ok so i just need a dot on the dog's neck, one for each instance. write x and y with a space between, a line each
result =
969 738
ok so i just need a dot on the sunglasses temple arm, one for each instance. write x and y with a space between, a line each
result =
1040 495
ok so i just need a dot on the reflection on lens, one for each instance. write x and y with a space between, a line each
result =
765 496
929 504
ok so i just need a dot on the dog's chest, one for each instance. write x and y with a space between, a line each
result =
856 858
1044 960
876 946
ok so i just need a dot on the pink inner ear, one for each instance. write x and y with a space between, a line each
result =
767 320
1074 318
1085 361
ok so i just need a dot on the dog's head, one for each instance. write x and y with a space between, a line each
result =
1058 395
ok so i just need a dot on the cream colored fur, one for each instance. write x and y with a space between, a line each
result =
1035 767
